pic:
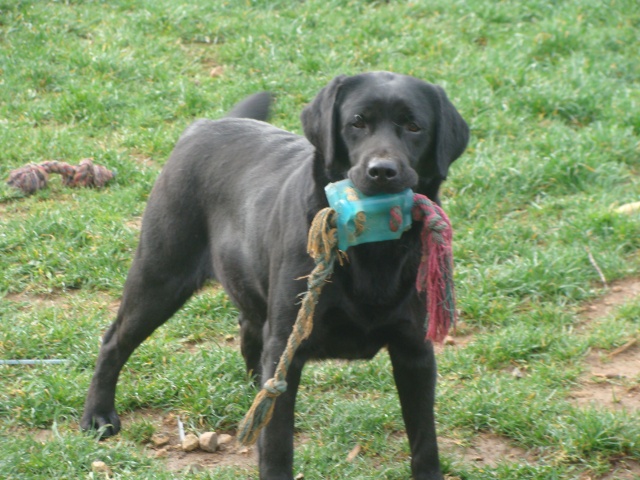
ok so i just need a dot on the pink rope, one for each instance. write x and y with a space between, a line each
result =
31 178
435 273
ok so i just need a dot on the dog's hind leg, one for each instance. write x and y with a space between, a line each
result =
154 290
251 344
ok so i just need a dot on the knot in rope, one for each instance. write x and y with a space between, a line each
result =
275 388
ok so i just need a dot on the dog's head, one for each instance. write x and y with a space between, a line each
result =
385 132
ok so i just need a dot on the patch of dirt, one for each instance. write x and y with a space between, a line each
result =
486 449
193 346
144 160
619 293
612 379
135 223
43 436
621 470
64 299
458 337
175 459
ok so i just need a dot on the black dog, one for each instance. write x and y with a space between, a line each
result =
235 201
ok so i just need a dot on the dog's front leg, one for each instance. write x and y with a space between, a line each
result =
414 371
276 440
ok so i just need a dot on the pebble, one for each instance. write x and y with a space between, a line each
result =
224 439
100 467
355 451
190 442
629 208
163 452
449 340
159 439
216 71
194 468
209 441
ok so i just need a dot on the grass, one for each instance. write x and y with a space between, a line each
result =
551 92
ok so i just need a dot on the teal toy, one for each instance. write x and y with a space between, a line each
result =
364 219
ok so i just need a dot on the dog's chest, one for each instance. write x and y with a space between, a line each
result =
356 324
370 301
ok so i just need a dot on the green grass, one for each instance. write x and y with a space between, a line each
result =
551 91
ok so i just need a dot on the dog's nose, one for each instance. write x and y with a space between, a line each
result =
382 170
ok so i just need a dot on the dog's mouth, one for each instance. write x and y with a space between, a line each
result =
382 175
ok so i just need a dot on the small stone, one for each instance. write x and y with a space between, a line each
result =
195 468
209 441
355 451
99 467
224 439
300 476
449 340
163 452
159 439
170 420
517 373
190 442
216 71
629 208
43 436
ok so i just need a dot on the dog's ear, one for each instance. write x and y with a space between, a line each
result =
321 122
452 133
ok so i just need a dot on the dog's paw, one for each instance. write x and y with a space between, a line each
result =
105 425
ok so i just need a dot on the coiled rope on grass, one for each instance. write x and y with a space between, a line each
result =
435 278
34 177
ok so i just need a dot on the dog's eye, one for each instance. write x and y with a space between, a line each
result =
358 121
413 127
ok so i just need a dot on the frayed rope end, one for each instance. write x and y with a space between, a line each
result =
435 274
260 412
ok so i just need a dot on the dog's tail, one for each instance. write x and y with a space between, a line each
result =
257 106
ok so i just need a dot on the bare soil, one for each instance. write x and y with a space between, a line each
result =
485 449
612 378
611 381
176 459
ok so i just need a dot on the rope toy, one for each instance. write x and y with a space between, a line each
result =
34 177
322 246
435 278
